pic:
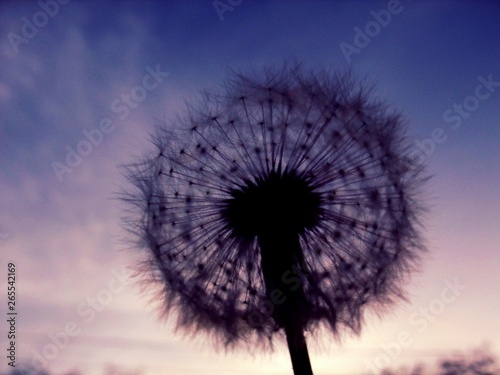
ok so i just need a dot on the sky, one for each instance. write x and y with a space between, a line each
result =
75 72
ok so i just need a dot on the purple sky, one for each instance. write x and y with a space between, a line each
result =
67 74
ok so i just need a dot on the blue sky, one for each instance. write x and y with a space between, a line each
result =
63 232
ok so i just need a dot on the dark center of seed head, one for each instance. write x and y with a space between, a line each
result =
278 203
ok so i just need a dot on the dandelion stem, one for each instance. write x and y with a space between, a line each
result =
298 351
281 256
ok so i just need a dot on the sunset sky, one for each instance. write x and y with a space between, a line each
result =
68 68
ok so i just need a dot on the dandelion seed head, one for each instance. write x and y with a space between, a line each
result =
306 154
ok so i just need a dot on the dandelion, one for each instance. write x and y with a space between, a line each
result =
283 204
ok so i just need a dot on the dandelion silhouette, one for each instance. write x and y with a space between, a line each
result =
285 203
